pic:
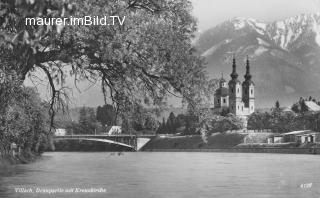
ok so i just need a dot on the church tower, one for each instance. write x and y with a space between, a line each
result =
221 98
235 91
248 89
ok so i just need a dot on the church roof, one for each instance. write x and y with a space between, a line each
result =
234 81
234 74
222 92
222 80
246 82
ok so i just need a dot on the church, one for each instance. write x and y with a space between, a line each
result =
235 97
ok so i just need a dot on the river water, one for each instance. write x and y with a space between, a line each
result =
155 175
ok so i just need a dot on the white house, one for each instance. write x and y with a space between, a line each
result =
312 106
113 130
303 136
60 132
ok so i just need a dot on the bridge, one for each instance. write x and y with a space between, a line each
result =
135 142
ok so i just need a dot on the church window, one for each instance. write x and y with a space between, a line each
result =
251 91
242 108
252 107
224 100
238 90
238 107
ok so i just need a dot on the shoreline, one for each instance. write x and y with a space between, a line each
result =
311 151
228 142
220 142
8 161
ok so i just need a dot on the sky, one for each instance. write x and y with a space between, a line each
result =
212 12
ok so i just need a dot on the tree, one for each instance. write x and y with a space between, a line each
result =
106 115
180 120
171 123
296 108
162 128
259 120
24 121
305 121
277 105
192 124
219 123
233 122
87 121
282 121
148 58
151 124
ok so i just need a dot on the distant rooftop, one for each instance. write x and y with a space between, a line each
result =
312 106
296 132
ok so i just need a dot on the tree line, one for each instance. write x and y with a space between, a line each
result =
280 120
190 124
23 118
99 120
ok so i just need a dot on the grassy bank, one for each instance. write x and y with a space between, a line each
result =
219 140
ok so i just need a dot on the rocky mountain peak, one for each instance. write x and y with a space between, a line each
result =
285 54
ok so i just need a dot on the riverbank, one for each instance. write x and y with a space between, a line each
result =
226 142
215 141
23 158
245 150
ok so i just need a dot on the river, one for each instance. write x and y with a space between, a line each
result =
167 174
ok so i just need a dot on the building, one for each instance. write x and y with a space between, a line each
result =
114 130
235 97
312 106
60 132
304 136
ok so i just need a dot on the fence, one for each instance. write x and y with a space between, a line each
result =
250 131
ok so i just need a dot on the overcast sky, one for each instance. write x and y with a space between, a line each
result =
213 12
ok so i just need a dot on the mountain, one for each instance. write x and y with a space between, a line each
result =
285 55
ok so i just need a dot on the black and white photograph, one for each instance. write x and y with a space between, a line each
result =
160 98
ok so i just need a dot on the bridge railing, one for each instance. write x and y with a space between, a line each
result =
107 135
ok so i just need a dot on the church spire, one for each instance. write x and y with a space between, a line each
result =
247 76
234 74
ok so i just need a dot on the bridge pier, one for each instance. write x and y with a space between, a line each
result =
141 142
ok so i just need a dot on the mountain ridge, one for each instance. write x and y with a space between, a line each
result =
284 54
